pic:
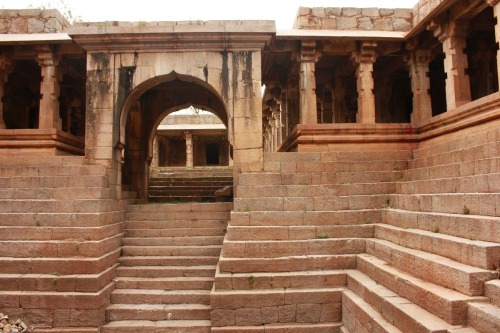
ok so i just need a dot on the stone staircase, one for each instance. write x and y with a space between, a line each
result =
60 236
432 265
189 185
295 232
167 268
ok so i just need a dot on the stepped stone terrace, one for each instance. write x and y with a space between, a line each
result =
359 151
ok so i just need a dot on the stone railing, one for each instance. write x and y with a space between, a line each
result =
31 21
366 19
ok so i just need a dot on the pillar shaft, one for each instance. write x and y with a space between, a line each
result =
496 12
307 85
189 149
364 59
154 160
418 64
49 89
453 36
5 69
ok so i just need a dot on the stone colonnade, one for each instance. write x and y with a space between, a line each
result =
188 136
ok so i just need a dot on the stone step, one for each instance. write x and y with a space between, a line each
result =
302 279
51 170
255 307
306 218
168 224
474 227
359 316
59 248
175 232
62 220
279 328
166 183
396 310
69 181
436 269
165 271
458 153
88 283
177 216
314 190
118 312
55 193
56 206
42 233
470 252
173 241
339 155
318 178
193 208
278 233
159 326
323 203
485 204
484 317
41 161
168 261
142 296
428 169
484 183
58 266
445 303
286 264
290 248
208 250
492 291
172 283
182 198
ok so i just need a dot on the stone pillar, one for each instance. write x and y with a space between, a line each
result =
49 89
363 61
418 64
453 36
277 126
189 149
496 12
307 85
5 69
154 160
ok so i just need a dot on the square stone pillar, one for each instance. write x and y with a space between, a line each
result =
189 149
154 159
363 61
6 68
418 65
453 36
49 89
307 84
496 12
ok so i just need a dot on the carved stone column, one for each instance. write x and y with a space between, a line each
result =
189 149
49 89
6 68
453 36
496 12
154 160
307 85
364 60
418 65
277 125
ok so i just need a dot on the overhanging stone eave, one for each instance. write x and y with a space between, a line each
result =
41 38
153 42
300 34
422 25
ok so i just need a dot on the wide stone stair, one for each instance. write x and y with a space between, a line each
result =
167 268
60 236
190 185
296 230
433 263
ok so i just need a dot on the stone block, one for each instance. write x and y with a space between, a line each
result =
346 23
304 11
370 12
386 11
248 317
270 315
333 11
222 317
318 11
350 12
401 24
365 23
287 313
308 313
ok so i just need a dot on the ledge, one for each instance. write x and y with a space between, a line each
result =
39 140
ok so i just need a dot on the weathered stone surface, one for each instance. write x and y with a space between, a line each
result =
346 23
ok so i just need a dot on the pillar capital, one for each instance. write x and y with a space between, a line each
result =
455 28
46 57
367 53
308 51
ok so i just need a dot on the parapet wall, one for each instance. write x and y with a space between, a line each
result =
367 19
31 21
423 8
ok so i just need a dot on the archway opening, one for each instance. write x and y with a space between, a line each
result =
157 134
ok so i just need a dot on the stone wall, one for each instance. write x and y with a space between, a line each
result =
423 8
31 21
366 19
